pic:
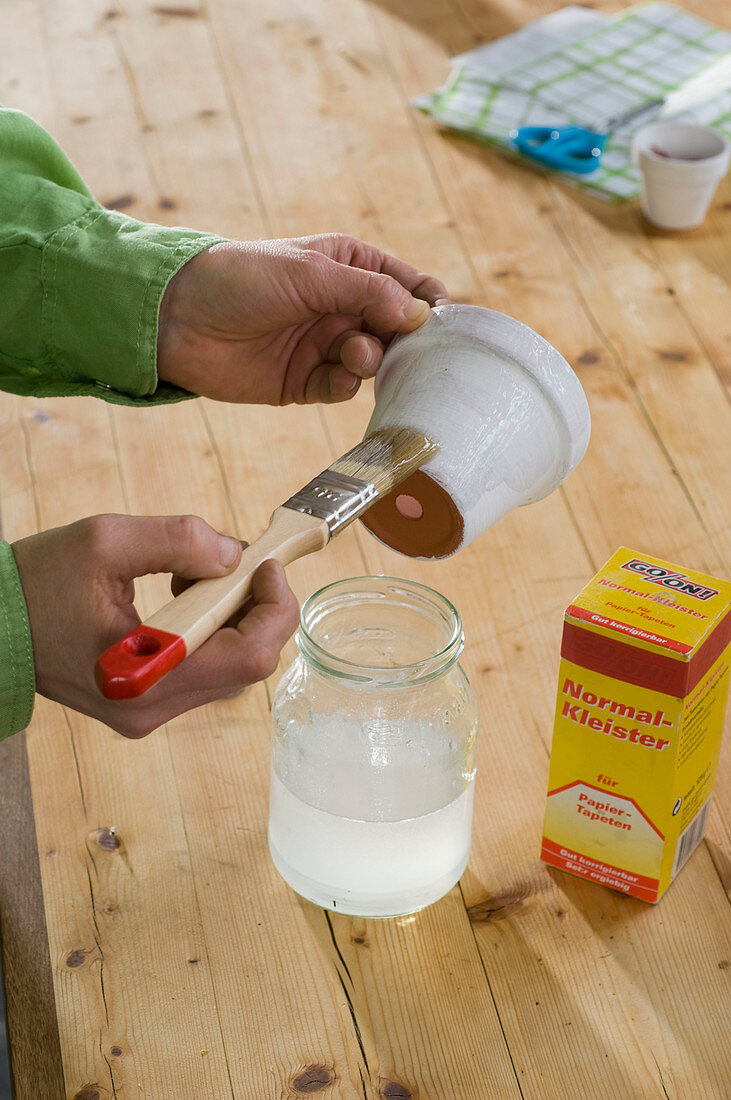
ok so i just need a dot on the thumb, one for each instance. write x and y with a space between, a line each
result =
183 545
383 303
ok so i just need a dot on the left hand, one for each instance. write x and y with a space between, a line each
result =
277 322
78 583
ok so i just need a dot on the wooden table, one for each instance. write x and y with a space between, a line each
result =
170 961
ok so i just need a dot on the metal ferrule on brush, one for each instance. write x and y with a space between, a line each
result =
336 498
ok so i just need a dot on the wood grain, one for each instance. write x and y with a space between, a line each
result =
181 965
29 1002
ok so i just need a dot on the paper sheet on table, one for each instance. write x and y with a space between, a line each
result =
579 67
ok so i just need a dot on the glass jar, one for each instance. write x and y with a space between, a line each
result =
374 728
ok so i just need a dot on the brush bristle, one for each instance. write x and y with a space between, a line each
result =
387 457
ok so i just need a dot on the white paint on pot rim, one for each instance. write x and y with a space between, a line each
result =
506 409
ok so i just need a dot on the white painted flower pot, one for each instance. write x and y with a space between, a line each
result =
507 411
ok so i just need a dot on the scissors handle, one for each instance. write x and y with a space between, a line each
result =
572 149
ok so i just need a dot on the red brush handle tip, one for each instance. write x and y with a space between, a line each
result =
133 664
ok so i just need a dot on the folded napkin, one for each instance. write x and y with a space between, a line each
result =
578 67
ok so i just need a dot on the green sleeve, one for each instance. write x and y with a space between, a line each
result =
80 285
17 677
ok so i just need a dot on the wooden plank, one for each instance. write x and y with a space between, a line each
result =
189 141
28 984
25 81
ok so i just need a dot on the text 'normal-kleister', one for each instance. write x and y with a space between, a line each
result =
642 690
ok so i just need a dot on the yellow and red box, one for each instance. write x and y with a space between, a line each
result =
642 693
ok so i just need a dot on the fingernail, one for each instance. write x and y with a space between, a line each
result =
416 310
370 364
344 393
228 551
362 359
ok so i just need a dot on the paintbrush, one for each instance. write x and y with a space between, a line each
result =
304 523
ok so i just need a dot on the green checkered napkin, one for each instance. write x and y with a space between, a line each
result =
629 60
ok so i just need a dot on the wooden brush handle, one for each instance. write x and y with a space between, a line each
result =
133 664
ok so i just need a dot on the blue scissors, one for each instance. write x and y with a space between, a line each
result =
574 148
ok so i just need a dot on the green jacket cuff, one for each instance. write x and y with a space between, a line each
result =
17 674
81 285
104 276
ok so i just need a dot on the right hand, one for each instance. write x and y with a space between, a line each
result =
78 583
284 321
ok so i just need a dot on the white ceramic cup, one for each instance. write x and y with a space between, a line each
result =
680 168
506 409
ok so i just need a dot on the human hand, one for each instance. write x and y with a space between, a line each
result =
78 583
277 322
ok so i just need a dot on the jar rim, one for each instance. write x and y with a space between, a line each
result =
411 673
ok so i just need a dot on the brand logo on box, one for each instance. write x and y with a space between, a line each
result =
669 578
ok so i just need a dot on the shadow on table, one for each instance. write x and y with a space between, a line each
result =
449 25
357 953
646 941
